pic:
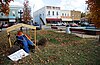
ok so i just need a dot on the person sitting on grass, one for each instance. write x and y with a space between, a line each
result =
25 41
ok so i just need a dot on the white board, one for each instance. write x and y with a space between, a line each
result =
18 55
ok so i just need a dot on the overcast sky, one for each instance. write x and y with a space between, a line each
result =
64 4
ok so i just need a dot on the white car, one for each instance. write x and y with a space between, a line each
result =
64 24
5 25
59 24
56 24
74 25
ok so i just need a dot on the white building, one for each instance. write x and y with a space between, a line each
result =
47 15
66 15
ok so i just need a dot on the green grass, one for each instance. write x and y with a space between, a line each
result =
57 38
62 49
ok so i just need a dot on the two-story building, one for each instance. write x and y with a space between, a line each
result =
76 16
66 16
47 15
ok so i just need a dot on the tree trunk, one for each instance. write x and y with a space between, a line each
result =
99 38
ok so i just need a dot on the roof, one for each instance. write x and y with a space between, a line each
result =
18 26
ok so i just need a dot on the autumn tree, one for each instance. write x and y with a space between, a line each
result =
26 12
83 14
94 8
4 6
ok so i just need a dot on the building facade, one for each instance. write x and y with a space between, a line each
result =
76 16
47 14
37 14
52 14
66 16
13 14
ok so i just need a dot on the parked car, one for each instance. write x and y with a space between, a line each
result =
73 25
84 24
64 24
5 25
90 27
58 24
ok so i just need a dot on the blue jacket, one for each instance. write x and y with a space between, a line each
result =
25 42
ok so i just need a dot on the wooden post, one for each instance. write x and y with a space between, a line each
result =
30 31
99 38
9 39
35 41
35 36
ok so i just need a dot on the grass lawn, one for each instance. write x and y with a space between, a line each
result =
61 49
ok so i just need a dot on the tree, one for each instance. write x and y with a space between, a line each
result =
94 8
26 12
4 6
83 14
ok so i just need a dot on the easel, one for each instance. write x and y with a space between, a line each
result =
9 29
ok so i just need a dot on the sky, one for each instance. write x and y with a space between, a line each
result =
78 5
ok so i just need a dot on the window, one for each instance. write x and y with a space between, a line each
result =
58 8
48 12
53 7
39 15
13 14
4 1
1 14
53 13
48 7
65 14
57 13
43 14
62 14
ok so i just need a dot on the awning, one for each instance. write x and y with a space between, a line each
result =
12 17
53 19
4 19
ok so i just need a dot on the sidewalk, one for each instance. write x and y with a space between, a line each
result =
86 36
81 35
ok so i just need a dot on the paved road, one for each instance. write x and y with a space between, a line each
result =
64 31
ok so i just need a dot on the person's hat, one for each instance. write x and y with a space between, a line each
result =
20 33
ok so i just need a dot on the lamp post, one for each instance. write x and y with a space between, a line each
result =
20 12
73 16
